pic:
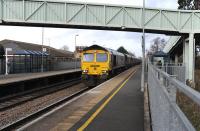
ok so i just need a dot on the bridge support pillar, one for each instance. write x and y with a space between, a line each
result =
185 57
191 56
188 57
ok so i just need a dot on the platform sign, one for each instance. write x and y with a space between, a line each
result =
44 50
8 49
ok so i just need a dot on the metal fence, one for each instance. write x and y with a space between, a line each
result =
165 113
175 70
65 65
31 64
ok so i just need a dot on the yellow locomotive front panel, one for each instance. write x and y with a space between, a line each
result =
95 62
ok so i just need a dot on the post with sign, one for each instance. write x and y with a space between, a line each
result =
7 49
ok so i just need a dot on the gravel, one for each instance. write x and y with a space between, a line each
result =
23 110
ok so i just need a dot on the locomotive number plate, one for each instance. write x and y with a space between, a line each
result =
94 65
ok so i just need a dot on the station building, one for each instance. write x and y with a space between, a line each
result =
27 57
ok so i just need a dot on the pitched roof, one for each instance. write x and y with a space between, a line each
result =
18 46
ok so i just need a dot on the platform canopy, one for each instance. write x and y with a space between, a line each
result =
160 54
29 52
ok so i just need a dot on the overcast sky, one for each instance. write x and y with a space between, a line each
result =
112 39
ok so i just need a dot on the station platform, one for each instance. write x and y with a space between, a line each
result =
13 78
123 110
115 105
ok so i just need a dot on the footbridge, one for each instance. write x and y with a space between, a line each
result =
97 16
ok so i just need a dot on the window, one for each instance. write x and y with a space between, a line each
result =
102 57
88 57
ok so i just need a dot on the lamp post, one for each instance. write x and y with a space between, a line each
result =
49 46
75 50
143 46
42 66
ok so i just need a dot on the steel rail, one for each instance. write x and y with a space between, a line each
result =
41 111
34 94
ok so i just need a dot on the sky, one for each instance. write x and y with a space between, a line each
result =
56 37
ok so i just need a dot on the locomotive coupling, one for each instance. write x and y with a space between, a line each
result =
103 76
85 77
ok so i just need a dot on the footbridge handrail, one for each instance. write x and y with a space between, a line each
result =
165 112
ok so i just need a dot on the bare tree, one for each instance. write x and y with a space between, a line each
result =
158 44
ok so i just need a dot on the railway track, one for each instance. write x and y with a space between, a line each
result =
30 117
10 102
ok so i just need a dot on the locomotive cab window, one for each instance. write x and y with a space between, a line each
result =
101 57
88 57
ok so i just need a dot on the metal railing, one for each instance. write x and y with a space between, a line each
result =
175 70
165 113
31 65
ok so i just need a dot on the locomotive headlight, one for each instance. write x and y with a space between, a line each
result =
104 71
85 71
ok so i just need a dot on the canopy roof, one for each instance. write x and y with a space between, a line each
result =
28 52
160 54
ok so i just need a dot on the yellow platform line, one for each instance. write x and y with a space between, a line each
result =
103 105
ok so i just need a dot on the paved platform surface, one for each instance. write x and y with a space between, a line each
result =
72 112
124 112
5 79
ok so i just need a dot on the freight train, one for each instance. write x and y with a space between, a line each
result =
99 63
